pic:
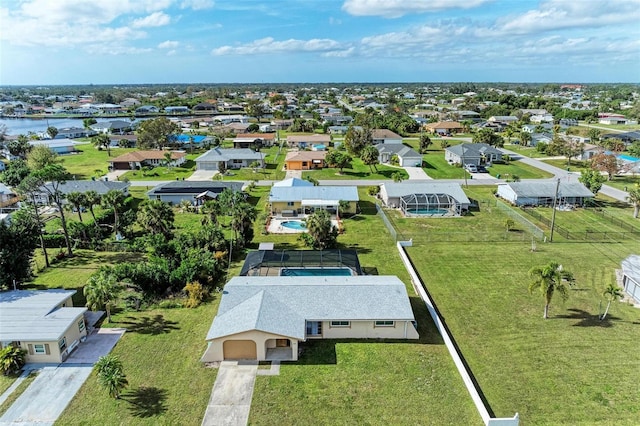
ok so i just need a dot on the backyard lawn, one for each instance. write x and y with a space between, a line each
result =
358 170
569 369
180 172
527 151
516 168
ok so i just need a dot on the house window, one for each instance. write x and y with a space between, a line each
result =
62 344
340 323
289 203
385 323
81 325
237 161
304 164
39 349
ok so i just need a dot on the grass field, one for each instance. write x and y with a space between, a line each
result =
358 170
527 151
516 168
569 369
89 160
576 165
624 182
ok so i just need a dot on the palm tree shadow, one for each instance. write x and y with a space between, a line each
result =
150 325
146 401
586 319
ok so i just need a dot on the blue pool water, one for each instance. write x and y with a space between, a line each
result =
429 211
294 224
628 158
319 147
315 272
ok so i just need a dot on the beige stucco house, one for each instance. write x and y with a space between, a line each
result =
44 323
306 199
267 317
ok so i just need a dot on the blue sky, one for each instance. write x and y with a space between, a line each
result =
241 41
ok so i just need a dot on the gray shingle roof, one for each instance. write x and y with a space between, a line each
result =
400 150
226 154
297 193
32 315
193 187
100 186
407 188
471 150
281 305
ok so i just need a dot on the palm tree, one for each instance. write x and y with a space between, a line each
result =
101 291
321 229
168 159
92 198
242 216
102 141
30 187
397 177
111 375
611 293
549 279
634 198
525 138
156 217
114 199
78 201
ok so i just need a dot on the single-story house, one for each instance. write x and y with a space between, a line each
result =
444 127
59 146
176 109
305 160
407 156
537 138
147 109
99 186
113 126
74 133
306 199
503 118
626 137
196 192
385 136
205 107
247 140
341 130
138 159
263 317
130 140
233 158
306 141
417 199
42 322
7 195
631 277
472 153
542 193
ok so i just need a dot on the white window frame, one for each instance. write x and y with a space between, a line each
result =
81 325
384 323
38 352
62 344
340 324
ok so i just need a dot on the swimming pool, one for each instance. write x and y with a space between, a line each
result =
628 158
294 224
315 272
431 212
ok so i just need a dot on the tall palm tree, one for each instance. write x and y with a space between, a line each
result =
111 375
550 278
102 141
525 138
321 229
369 156
634 198
101 291
156 217
92 198
242 216
211 209
30 187
114 199
611 293
78 201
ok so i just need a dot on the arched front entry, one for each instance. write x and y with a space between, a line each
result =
240 349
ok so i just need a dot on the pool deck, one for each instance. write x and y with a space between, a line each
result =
275 226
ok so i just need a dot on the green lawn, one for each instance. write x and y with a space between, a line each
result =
569 369
273 170
527 151
624 182
17 392
516 168
183 171
575 166
88 160
358 170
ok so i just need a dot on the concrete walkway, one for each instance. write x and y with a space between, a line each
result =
293 174
56 385
231 396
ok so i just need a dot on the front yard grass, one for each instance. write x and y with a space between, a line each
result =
569 369
527 151
17 391
358 170
89 161
180 172
517 168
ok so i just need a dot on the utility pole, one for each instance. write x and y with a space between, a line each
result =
553 214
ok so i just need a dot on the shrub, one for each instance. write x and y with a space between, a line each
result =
12 359
373 190
195 293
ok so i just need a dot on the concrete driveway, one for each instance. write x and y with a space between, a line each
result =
200 175
231 396
417 173
56 385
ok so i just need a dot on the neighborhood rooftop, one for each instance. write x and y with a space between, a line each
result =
297 193
406 188
185 186
532 189
262 262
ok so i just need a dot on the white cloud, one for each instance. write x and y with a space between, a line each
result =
169 44
172 52
156 19
398 8
270 45
340 53
197 4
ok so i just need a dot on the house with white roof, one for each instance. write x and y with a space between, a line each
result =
407 156
543 193
303 200
44 323
233 158
267 317
59 146
472 153
425 199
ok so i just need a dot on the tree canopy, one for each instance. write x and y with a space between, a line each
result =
156 133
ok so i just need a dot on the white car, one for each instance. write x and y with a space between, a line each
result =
471 168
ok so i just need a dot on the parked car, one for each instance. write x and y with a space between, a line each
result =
482 169
471 168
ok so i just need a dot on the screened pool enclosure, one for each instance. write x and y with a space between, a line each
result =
434 205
